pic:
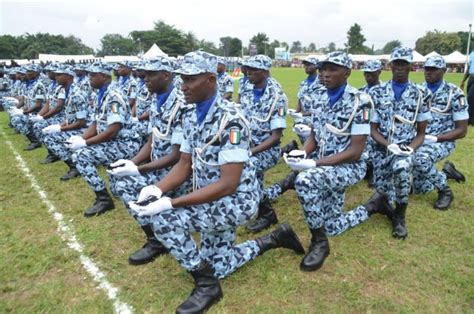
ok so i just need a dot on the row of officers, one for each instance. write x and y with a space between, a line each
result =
184 158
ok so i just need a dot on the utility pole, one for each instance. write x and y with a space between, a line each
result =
468 48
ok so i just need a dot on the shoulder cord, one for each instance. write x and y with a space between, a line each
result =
68 105
342 132
199 151
448 105
119 100
164 136
404 120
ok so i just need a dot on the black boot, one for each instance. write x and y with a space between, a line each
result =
266 217
206 292
445 197
452 173
35 143
399 231
289 147
50 158
317 252
288 183
72 173
379 203
281 237
150 250
103 202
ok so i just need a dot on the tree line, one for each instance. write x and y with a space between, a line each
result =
177 42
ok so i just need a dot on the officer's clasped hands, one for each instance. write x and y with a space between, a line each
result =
296 159
400 150
123 167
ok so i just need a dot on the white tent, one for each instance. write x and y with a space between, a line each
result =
418 57
154 51
432 54
455 57
120 58
63 58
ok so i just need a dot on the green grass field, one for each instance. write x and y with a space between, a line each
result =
367 271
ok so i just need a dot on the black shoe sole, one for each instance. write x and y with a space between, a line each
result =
290 232
88 215
314 268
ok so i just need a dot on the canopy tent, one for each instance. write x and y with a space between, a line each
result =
455 57
432 54
418 57
154 51
64 58
121 58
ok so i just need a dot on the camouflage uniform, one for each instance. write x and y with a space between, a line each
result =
448 105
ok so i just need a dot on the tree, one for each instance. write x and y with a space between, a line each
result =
208 46
261 40
191 41
271 48
464 36
444 43
355 40
285 45
230 46
312 47
390 45
296 47
116 45
331 47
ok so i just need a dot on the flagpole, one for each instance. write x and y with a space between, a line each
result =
468 48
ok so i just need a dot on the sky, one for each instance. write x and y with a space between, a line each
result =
309 21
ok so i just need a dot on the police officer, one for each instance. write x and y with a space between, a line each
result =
372 69
449 122
470 86
225 83
32 101
106 139
126 83
77 114
141 99
244 82
215 153
398 128
265 107
336 161
154 160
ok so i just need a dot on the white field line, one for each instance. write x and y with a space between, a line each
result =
70 238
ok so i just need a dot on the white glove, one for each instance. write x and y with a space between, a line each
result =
147 191
400 150
53 128
135 119
36 118
302 130
74 143
300 164
292 113
15 111
123 168
429 139
151 208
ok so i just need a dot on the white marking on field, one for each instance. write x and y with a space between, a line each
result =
70 238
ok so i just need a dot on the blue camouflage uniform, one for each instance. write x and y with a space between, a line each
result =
266 111
222 137
168 114
142 104
447 106
307 90
225 82
321 190
396 118
110 108
35 90
76 108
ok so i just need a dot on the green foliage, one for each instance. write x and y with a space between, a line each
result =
117 45
261 40
390 45
442 42
29 46
296 47
355 40
463 36
230 46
